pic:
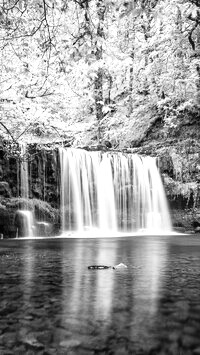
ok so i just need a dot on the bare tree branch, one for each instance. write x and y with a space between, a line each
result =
10 8
41 95
8 131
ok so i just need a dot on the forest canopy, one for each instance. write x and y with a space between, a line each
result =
74 66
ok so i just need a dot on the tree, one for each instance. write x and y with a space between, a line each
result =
93 60
98 81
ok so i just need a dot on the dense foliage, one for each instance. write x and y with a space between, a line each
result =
71 66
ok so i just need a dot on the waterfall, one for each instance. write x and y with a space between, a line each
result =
24 185
111 192
24 218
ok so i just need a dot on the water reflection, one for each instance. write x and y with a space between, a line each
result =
28 270
126 296
89 293
105 282
148 281
98 292
60 300
147 286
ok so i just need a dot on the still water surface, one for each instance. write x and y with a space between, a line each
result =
50 303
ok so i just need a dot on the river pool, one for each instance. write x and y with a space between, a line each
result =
51 303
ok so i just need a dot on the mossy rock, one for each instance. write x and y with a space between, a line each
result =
42 212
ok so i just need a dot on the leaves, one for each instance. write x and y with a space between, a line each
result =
55 55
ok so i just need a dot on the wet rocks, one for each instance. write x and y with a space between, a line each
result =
120 266
5 190
31 342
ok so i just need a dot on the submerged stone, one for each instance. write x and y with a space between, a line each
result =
120 266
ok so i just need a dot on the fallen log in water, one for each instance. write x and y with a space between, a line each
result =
94 267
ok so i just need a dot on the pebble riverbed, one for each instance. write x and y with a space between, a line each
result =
51 303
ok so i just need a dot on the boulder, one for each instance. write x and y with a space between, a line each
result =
5 189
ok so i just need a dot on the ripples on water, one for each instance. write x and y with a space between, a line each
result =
50 303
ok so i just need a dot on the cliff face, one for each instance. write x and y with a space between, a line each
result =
179 164
177 148
43 189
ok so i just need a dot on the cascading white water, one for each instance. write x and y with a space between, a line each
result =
26 222
87 189
112 192
26 215
24 186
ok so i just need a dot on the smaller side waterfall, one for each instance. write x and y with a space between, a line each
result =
24 185
112 192
24 222
24 219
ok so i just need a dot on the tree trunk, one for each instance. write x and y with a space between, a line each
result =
130 108
98 82
98 94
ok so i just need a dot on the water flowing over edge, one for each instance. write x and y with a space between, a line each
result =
110 194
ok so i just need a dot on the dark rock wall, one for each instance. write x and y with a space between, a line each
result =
44 188
178 153
44 175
